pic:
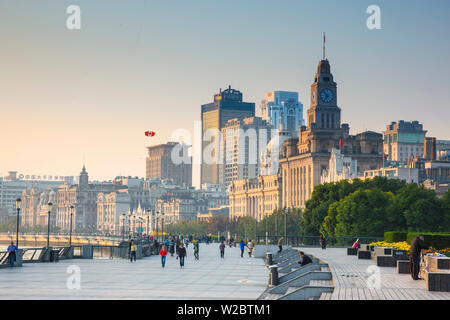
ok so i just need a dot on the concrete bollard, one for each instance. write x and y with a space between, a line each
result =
273 276
19 258
269 259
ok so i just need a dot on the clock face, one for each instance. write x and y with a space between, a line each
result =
326 95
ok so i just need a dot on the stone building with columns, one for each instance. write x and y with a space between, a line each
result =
305 158
256 197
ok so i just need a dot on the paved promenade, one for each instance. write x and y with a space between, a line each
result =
350 279
209 278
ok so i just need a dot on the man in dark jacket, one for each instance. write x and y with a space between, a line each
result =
305 259
181 254
417 245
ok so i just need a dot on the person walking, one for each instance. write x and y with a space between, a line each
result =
417 245
323 241
12 249
242 245
222 249
182 255
196 250
177 246
280 244
133 249
250 248
172 247
163 254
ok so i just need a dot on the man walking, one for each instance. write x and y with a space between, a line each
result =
12 249
250 248
222 249
182 254
417 244
196 249
163 254
242 246
133 249
280 244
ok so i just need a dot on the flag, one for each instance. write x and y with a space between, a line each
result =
341 144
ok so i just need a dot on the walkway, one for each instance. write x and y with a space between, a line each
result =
209 278
350 279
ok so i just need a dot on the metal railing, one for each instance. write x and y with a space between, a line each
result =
4 257
314 241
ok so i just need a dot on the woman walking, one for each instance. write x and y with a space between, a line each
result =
222 249
163 254
196 249
182 254
250 248
172 247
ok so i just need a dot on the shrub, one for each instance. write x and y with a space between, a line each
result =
395 236
435 240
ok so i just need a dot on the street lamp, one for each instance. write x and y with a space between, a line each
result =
129 225
286 210
162 226
148 222
123 215
71 217
49 206
18 206
157 222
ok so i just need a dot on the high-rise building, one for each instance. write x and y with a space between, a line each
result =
283 111
242 146
161 164
228 104
403 141
429 148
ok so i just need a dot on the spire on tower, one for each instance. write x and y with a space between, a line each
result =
324 56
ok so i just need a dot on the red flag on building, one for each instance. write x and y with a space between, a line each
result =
341 144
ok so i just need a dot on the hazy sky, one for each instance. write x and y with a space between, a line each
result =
139 65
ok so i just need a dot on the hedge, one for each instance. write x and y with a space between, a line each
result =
435 240
395 236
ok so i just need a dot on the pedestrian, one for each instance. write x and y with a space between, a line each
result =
177 246
323 241
280 244
222 249
250 248
132 250
163 254
356 245
182 254
12 249
172 247
305 259
242 245
166 243
417 245
196 250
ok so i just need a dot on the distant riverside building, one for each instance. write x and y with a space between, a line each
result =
243 144
443 150
410 175
340 168
429 149
13 185
228 104
160 165
110 207
283 111
305 158
403 140
256 197
439 188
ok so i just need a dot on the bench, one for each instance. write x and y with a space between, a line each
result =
352 251
403 267
437 273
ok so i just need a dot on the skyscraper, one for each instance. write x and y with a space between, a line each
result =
227 105
283 111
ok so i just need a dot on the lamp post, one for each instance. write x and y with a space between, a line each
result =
49 206
71 217
162 226
123 215
129 225
18 206
256 228
157 222
286 210
148 222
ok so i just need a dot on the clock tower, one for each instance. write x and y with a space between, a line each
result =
324 111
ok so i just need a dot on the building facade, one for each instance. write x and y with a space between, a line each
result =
283 111
227 105
340 168
403 141
161 164
256 197
242 146
410 175
305 158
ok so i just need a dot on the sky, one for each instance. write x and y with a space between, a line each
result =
69 97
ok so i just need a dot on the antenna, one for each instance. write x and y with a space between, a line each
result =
324 46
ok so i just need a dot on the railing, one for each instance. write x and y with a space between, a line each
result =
33 254
314 241
4 257
109 252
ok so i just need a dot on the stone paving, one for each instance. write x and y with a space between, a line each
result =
209 278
